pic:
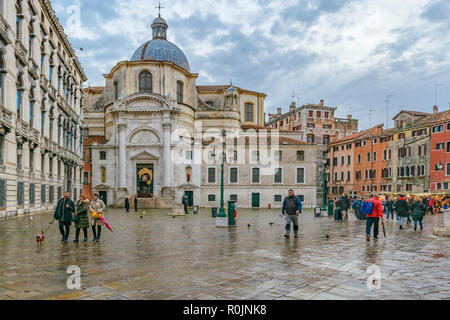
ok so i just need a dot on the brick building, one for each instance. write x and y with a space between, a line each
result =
350 159
440 153
316 123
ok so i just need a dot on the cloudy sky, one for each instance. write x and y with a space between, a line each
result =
351 53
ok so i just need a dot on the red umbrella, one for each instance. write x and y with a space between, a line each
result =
106 223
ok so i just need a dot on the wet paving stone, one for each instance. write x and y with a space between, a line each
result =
160 257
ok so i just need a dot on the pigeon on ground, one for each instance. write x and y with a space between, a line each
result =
249 226
271 223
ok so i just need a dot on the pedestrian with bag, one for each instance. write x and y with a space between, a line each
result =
97 208
389 208
344 206
127 204
292 207
337 210
64 214
418 210
402 209
357 207
373 208
82 219
184 201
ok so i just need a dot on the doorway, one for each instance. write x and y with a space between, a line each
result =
144 180
190 198
255 200
103 195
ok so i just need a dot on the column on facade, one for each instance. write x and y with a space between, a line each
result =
167 165
122 156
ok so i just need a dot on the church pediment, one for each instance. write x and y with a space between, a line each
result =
145 103
145 155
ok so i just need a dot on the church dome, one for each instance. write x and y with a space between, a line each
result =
160 49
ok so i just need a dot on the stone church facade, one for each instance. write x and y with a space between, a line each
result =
155 134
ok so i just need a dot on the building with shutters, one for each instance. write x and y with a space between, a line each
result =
41 83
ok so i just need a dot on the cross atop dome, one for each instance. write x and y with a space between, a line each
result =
159 26
159 8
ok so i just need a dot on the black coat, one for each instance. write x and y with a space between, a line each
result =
127 203
402 208
418 210
62 213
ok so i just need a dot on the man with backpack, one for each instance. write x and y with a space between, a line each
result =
292 207
373 209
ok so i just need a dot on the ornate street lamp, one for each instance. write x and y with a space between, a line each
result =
324 190
221 219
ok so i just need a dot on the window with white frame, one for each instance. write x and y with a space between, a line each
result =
300 175
279 156
234 175
212 175
278 175
256 175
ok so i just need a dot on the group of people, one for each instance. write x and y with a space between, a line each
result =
406 208
128 204
67 212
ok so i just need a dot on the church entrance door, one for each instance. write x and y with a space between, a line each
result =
144 180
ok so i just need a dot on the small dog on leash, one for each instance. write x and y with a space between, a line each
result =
40 237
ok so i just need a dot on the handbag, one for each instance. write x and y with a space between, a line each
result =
96 215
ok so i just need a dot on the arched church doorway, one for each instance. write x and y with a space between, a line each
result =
144 180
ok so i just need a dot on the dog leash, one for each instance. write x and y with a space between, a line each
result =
51 224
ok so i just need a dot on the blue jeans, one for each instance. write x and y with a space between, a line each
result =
420 222
388 212
372 221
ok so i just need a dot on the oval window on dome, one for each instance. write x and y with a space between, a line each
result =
145 82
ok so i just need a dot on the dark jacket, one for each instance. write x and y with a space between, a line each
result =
418 210
343 203
402 208
184 200
82 214
291 205
127 203
62 213
389 205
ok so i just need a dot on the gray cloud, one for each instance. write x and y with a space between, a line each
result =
269 59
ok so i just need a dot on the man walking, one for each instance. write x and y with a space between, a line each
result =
184 200
344 205
64 214
374 217
292 207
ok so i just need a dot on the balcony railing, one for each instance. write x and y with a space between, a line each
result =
5 118
21 52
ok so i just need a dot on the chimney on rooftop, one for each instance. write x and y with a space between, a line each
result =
279 110
322 103
435 109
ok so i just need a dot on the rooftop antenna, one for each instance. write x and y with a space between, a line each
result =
387 109
159 8
436 91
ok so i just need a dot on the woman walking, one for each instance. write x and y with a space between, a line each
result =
82 220
402 209
127 204
418 211
97 206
